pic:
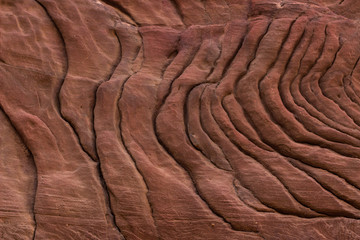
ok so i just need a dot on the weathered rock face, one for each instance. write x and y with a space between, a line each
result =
179 119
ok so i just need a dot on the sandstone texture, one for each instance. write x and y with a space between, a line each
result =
179 119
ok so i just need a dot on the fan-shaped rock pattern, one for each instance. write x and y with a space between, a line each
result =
179 119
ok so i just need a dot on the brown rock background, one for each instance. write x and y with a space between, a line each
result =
179 119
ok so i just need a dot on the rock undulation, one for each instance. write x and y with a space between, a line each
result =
179 119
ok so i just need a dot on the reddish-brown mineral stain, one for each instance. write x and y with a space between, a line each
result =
179 119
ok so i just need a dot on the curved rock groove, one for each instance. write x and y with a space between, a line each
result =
179 119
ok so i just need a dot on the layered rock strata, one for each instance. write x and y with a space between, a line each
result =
176 119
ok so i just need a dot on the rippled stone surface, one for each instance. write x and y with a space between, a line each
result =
177 119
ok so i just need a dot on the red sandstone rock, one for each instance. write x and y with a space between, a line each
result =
179 119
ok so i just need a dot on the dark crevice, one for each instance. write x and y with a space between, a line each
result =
268 168
121 137
356 63
108 199
245 202
238 130
120 131
111 73
168 151
301 90
129 152
231 60
22 139
286 105
170 59
156 112
304 97
248 118
185 104
213 211
186 108
186 130
98 166
301 159
251 121
327 189
186 121
120 8
339 105
203 128
254 55
277 55
58 103
57 99
321 81
309 68
228 66
325 186
142 50
349 88
354 89
242 74
344 131
314 142
178 10
228 160
237 82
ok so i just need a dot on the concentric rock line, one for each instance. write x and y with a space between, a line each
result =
179 119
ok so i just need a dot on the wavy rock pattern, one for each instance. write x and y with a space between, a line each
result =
179 119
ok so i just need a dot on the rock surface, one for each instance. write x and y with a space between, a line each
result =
179 119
